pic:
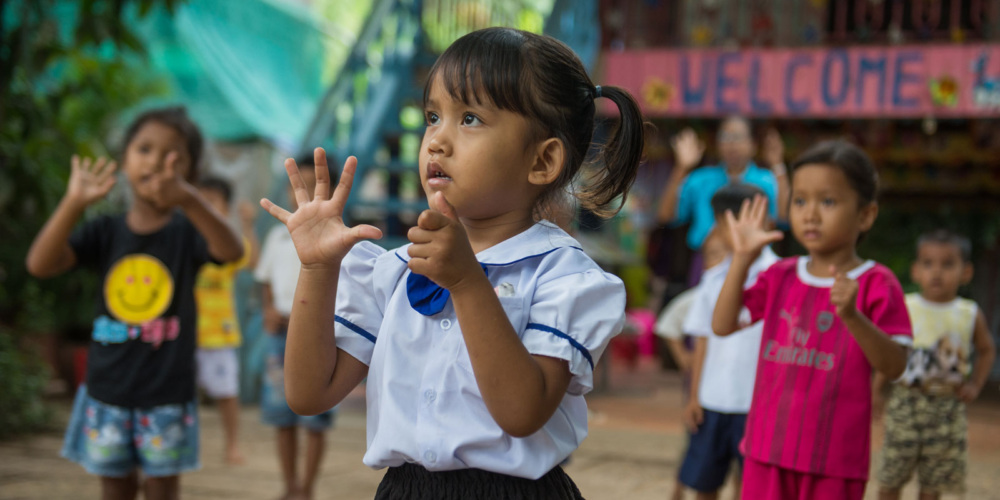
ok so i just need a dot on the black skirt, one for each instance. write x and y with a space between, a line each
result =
413 482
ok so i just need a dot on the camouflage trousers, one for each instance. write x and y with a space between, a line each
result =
927 434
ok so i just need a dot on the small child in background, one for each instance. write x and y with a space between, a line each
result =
723 368
278 273
830 320
670 327
218 328
925 424
137 411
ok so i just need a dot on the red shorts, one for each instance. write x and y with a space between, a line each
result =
766 481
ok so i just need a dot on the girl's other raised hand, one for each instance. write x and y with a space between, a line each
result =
89 180
441 249
317 226
166 187
749 230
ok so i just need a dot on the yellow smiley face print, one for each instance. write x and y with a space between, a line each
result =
138 289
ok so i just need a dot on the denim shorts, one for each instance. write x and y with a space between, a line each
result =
112 441
274 408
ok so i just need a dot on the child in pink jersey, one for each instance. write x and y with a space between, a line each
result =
830 319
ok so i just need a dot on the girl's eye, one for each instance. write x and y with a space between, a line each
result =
471 120
144 148
798 202
829 202
430 118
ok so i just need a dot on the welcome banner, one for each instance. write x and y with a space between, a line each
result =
857 82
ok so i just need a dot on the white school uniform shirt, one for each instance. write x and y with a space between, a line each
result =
730 367
424 406
278 266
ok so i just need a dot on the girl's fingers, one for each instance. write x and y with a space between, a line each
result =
74 162
744 210
365 232
85 164
346 181
773 237
277 212
170 165
417 235
322 191
107 168
298 185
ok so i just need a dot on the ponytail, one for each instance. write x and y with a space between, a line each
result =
618 160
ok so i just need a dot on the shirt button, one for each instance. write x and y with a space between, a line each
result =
430 456
446 323
430 395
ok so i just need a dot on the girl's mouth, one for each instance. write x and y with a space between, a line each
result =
436 176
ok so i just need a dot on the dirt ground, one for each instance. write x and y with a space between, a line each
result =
633 451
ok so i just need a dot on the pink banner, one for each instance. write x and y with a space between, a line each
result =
907 81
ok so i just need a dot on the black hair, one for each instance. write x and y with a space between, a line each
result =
850 159
542 79
177 118
731 197
948 237
218 185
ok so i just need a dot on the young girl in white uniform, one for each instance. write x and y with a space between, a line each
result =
479 338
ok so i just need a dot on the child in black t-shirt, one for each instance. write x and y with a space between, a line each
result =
137 409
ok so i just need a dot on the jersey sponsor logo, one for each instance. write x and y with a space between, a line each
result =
798 352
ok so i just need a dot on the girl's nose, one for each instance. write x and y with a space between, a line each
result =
438 142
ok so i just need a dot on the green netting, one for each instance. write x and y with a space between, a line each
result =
244 69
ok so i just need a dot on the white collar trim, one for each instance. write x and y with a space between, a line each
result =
806 277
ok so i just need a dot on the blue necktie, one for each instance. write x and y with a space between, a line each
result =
425 296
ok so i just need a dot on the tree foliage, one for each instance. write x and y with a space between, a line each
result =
67 68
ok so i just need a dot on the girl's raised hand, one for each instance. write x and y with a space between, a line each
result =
167 187
317 226
441 249
90 180
749 231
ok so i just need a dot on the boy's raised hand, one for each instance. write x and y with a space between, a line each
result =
843 294
317 226
748 230
441 249
90 180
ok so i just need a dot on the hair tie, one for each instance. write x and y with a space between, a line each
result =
597 91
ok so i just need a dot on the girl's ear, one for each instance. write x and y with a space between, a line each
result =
867 216
549 158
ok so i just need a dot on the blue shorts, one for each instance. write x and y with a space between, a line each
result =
712 449
112 441
274 408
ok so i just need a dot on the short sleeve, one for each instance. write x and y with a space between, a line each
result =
755 297
670 324
359 312
87 241
885 305
265 262
573 317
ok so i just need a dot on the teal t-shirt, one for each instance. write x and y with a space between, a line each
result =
694 204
